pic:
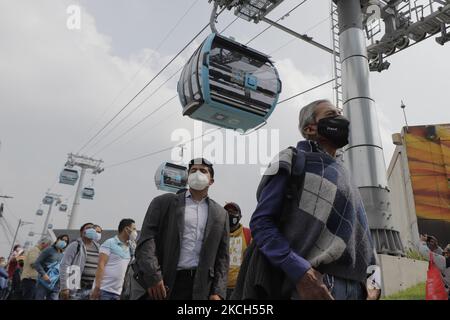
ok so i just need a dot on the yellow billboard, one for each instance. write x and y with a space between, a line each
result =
428 153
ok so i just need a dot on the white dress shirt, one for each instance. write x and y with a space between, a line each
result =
195 217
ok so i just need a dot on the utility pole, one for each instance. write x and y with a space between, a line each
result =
85 163
20 224
364 155
403 107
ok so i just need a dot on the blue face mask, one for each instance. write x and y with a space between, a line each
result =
91 234
99 236
61 244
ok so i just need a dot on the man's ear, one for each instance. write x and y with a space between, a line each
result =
211 181
309 130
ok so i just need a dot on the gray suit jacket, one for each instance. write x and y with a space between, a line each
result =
158 248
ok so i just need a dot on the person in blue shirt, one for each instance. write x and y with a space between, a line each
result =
310 222
115 255
47 287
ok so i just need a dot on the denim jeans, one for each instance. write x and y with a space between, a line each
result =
229 293
105 295
4 293
340 289
81 294
42 293
343 289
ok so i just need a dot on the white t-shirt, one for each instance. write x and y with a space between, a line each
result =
119 258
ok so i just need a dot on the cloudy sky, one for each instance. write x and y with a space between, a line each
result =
59 86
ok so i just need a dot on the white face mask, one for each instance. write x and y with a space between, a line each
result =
198 181
133 235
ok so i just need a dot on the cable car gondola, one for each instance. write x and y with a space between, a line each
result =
63 207
228 84
171 177
50 226
68 176
88 193
40 212
47 200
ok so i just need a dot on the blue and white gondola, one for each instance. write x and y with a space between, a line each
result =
229 85
48 200
68 176
171 177
88 193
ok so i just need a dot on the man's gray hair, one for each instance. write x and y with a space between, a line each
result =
45 241
306 115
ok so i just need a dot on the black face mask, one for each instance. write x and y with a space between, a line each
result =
234 221
335 129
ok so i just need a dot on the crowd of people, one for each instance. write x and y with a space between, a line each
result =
308 238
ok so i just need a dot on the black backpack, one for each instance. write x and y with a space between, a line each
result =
258 278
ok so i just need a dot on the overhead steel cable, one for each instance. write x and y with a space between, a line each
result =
135 109
165 103
233 21
141 66
146 85
137 124
281 18
141 103
170 148
159 151
295 39
153 127
306 91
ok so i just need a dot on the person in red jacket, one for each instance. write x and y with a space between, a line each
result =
240 238
12 261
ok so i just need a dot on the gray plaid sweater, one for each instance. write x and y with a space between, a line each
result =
328 224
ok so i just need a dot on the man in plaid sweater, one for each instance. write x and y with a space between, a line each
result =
322 243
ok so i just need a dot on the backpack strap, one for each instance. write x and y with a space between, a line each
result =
77 252
295 182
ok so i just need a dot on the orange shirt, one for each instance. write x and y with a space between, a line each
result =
238 245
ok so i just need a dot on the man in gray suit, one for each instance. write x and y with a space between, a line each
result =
182 252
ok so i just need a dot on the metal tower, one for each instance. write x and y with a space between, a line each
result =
336 59
54 197
85 163
364 154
